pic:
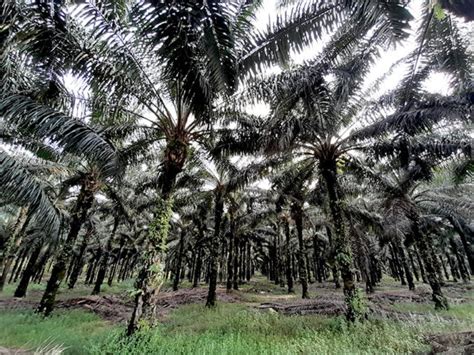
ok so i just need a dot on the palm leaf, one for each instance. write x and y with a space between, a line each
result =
20 187
71 134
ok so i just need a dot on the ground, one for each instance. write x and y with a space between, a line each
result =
259 318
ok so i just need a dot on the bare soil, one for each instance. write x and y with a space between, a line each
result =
335 306
330 302
118 309
452 343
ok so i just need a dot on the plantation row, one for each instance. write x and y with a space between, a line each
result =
178 140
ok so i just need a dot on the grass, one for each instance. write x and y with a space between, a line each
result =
235 329
230 328
261 290
9 289
75 331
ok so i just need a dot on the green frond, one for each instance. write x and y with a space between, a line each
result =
195 42
418 118
71 134
251 173
378 180
219 44
306 21
440 48
39 148
22 188
424 147
464 170
462 8
294 30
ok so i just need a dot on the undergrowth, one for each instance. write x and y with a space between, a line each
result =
73 331
234 329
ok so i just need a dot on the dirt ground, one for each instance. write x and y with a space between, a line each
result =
452 343
118 308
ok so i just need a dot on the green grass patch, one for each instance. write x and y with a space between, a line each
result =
235 329
227 329
9 289
124 287
73 330
230 328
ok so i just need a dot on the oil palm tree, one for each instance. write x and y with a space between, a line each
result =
110 49
313 108
291 186
408 207
222 178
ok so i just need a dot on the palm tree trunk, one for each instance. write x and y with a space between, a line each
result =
221 260
143 309
93 262
277 255
141 297
289 271
452 266
420 263
198 267
28 272
6 270
316 260
214 249
79 264
37 277
127 255
230 260
12 245
423 242
248 261
297 214
437 266
78 217
413 266
406 267
308 269
116 261
445 270
342 248
175 156
335 270
179 260
105 260
398 271
236 262
462 267
16 272
103 266
462 230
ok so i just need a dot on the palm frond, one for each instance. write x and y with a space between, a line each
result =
464 170
71 134
419 118
22 188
